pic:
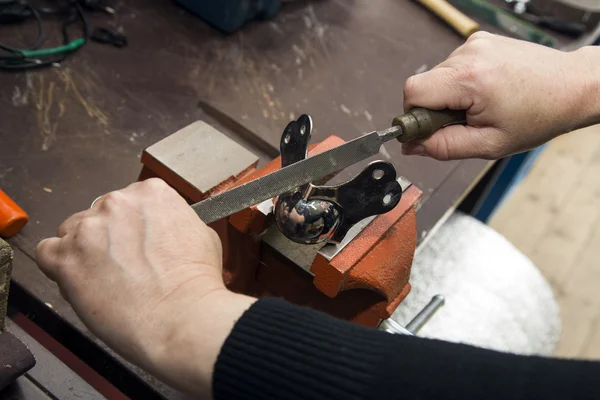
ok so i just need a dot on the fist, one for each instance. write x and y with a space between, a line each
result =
138 267
518 95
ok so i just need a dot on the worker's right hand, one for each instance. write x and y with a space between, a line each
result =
143 272
518 95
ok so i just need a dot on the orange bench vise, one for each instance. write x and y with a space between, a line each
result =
362 279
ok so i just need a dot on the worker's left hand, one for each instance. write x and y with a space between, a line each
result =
144 274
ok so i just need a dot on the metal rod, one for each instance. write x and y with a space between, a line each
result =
426 313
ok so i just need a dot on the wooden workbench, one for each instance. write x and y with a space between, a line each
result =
71 133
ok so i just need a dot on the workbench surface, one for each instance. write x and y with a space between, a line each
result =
72 133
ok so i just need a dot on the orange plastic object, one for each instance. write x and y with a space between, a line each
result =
12 217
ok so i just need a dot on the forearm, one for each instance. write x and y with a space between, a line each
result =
570 95
278 350
585 109
186 359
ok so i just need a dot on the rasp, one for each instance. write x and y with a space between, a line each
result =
418 123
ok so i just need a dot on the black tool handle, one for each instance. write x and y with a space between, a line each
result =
420 123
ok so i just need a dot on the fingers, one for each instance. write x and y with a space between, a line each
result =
158 191
437 89
154 185
454 83
70 224
47 256
154 189
456 142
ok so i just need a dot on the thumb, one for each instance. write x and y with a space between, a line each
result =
456 142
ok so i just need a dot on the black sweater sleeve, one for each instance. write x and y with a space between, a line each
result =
282 351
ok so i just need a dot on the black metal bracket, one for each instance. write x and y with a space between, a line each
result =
316 213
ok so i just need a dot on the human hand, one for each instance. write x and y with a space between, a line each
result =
518 95
144 274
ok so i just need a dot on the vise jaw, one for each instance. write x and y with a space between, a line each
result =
362 279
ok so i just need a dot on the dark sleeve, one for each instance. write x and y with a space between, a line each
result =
282 351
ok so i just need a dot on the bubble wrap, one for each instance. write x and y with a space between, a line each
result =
495 297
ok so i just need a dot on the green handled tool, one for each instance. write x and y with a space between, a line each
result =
418 123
